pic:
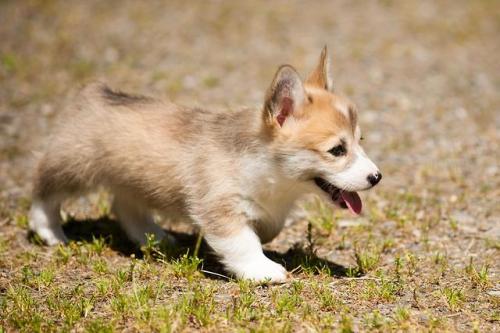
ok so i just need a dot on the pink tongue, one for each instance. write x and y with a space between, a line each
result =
353 201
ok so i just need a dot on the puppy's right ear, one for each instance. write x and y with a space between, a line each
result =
321 77
285 95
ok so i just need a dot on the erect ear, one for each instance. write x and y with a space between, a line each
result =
321 77
285 95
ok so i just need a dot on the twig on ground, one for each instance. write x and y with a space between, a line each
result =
215 274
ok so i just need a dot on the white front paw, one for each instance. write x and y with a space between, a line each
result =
262 270
52 237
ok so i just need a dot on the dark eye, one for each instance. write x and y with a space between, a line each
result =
338 150
361 138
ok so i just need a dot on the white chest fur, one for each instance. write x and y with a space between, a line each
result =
271 196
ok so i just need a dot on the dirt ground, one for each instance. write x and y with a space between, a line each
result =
425 76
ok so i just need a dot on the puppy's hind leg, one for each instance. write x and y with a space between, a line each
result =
136 219
54 180
45 220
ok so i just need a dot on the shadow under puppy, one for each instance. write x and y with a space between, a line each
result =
236 174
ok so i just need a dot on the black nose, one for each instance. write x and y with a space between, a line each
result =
374 178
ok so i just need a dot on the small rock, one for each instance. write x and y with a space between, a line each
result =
376 75
494 293
189 82
346 223
111 55
389 224
461 113
492 170
461 217
47 110
468 229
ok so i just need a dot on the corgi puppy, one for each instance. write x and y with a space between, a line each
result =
236 174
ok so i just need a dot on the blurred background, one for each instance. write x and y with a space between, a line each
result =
425 76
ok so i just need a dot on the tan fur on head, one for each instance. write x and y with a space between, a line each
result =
236 174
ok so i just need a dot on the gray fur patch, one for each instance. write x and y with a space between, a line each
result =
119 98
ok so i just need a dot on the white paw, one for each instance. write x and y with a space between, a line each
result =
242 255
262 270
51 237
45 222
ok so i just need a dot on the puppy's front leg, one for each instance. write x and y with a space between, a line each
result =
241 252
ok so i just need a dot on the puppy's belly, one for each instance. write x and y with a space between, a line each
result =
266 225
267 231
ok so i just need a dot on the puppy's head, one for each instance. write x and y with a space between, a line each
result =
315 136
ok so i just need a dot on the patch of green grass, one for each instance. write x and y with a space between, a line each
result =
435 323
103 286
3 245
82 69
387 245
175 86
63 254
398 267
492 243
100 266
187 266
123 275
286 301
24 314
384 289
440 259
401 314
495 316
156 250
367 259
478 278
197 304
43 278
242 308
454 297
312 265
22 221
346 325
97 246
404 209
151 249
9 61
453 224
328 301
99 326
211 81
375 321
411 263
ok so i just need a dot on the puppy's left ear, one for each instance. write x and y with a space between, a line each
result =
285 96
321 77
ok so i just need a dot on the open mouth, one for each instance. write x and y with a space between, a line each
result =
345 199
